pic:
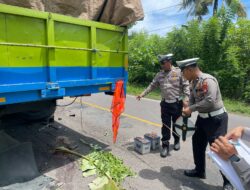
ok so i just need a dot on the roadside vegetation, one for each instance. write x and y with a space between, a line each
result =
222 43
232 106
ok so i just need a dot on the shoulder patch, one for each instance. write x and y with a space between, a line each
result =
205 86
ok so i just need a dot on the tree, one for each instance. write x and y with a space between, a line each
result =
186 41
197 8
200 8
237 53
211 45
222 45
143 51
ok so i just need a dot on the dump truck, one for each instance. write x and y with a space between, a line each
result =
47 56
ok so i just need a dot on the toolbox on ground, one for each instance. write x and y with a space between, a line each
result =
154 140
142 145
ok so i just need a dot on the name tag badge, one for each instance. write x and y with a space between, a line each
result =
167 85
174 76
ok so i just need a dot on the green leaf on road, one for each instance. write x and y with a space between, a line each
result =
110 170
103 183
89 173
85 165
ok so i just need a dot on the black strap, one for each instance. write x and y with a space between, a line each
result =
103 8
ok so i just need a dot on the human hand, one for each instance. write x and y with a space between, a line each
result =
235 133
186 111
223 148
139 97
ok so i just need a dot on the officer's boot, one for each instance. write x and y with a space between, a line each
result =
177 144
226 184
195 173
165 149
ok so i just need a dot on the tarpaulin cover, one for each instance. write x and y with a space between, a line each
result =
117 12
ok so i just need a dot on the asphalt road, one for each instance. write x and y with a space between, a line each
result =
89 118
150 109
93 119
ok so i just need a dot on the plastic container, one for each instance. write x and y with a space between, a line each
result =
142 145
154 140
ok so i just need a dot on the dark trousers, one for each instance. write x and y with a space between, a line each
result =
207 130
170 112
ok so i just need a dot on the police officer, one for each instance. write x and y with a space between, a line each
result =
228 152
174 92
212 120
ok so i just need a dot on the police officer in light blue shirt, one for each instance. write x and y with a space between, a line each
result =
175 94
212 120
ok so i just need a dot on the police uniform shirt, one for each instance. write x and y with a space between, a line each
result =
171 83
242 167
205 95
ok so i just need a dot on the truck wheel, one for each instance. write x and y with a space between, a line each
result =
43 110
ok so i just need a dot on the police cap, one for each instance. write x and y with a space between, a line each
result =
187 62
163 58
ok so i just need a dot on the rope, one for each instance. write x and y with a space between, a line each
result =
81 114
170 129
68 104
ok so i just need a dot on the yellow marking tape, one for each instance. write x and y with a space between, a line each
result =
124 114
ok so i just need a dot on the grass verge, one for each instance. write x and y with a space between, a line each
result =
232 106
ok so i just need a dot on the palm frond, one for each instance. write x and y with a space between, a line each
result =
200 8
241 11
237 7
187 3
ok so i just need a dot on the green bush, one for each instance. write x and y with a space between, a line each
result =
223 48
143 51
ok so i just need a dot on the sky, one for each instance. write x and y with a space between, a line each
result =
161 16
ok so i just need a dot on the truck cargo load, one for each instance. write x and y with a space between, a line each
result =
117 12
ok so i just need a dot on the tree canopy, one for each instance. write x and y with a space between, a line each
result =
200 8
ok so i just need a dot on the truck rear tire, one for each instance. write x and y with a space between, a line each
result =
43 110
31 111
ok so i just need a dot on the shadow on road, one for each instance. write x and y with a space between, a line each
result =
130 147
175 179
44 140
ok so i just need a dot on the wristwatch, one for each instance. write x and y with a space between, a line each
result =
234 158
